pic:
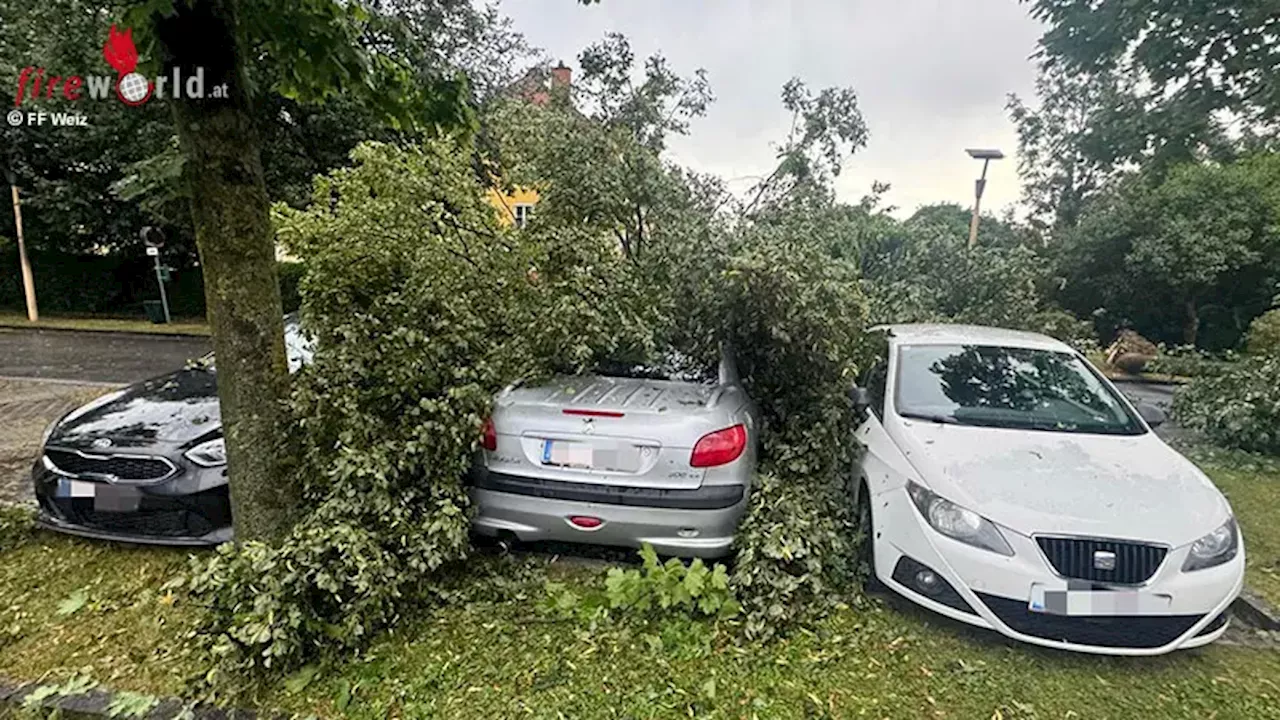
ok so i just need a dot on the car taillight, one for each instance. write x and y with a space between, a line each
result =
489 436
719 447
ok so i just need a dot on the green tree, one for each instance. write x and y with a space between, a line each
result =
826 129
317 53
596 154
1074 142
1189 59
1159 255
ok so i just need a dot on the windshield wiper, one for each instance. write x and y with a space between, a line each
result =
932 417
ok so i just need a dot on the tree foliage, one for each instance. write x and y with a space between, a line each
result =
1193 59
1165 255
1238 407
447 308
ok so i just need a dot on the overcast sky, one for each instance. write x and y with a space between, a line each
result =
931 78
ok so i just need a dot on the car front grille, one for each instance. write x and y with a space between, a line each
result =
1076 558
1120 631
125 468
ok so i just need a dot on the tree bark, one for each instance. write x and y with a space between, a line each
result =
230 211
1191 323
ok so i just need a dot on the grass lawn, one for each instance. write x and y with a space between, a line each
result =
182 326
73 607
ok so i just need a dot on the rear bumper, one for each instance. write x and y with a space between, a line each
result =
671 531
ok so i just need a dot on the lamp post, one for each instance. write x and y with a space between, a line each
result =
986 156
28 280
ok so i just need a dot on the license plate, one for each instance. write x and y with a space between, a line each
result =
1086 600
75 488
568 454
610 456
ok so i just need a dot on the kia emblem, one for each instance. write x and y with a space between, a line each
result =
102 443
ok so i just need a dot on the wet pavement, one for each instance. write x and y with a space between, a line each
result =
96 357
26 409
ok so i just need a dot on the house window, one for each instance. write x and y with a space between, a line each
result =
523 214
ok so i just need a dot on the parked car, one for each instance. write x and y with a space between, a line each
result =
145 464
1007 484
619 458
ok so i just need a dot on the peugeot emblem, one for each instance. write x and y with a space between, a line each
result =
102 443
1104 560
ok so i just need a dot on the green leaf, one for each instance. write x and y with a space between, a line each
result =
298 681
73 602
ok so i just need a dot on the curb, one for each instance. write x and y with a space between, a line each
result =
1253 610
107 331
94 705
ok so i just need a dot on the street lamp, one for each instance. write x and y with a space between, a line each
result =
986 156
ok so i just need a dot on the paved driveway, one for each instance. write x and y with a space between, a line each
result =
26 409
94 356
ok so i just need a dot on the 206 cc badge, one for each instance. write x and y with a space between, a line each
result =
101 443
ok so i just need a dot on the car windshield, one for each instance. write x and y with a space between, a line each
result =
1007 387
298 347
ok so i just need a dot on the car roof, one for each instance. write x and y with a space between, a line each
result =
945 334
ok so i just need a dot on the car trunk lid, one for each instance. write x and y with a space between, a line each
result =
611 431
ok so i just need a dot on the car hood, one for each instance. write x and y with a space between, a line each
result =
170 409
1111 486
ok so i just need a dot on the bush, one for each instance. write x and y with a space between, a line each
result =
1264 334
656 588
1239 408
794 317
422 308
1187 361
934 277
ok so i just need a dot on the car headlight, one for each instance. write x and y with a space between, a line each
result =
1215 548
956 522
210 453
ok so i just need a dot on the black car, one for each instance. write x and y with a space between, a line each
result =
145 464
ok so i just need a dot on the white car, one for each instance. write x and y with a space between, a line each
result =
1008 485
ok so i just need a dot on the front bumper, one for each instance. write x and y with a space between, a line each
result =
193 508
994 592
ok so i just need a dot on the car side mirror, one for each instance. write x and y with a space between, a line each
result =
1154 416
861 399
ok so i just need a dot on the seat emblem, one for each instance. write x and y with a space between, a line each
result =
102 443
1104 560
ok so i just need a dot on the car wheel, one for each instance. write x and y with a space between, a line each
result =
866 550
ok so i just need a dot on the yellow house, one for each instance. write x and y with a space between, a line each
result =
538 86
514 208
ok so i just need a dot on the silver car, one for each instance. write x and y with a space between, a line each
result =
615 460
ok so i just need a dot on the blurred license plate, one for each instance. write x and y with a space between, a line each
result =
594 456
1077 600
75 488
567 454
106 497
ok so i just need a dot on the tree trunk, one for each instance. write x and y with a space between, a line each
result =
1191 323
230 211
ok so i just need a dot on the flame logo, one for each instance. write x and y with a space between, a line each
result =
119 51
